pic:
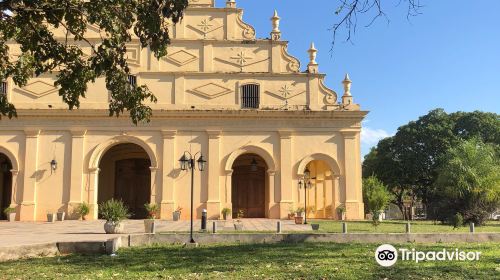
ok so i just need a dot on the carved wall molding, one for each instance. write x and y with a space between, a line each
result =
38 89
287 91
181 58
211 90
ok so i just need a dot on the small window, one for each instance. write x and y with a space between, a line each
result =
132 80
250 96
3 88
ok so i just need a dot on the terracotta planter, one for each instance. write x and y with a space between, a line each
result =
60 216
238 226
299 220
291 216
11 217
149 226
226 216
113 228
51 218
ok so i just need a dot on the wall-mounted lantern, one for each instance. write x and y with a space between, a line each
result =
53 165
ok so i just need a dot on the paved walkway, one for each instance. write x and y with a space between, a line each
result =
26 233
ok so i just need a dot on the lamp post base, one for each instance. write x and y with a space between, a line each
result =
191 245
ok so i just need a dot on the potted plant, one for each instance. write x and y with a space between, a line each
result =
226 212
238 225
341 211
10 212
83 210
299 215
60 216
315 226
291 213
177 214
114 212
51 217
150 222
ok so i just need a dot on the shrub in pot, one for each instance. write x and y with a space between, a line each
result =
226 212
10 212
299 215
315 226
114 212
51 217
83 210
238 225
150 221
60 216
341 211
177 214
291 214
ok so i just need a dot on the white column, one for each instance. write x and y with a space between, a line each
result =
154 191
272 207
13 199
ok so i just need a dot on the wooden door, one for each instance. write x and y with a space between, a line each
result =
133 185
249 192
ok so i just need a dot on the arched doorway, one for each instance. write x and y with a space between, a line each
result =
248 186
125 175
5 184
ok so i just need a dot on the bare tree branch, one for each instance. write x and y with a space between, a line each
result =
348 10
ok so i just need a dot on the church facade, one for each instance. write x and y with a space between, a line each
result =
259 119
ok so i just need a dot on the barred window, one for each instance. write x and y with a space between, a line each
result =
3 88
132 80
250 96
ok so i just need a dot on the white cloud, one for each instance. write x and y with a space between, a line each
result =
370 137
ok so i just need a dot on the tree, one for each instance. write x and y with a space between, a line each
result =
350 10
469 181
31 23
408 161
375 196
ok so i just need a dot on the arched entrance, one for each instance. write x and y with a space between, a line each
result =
248 186
125 175
323 193
5 183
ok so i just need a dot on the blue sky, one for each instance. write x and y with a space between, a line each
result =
447 57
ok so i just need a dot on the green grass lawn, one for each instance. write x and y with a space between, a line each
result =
399 227
263 261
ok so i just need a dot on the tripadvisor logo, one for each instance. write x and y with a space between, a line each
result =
387 255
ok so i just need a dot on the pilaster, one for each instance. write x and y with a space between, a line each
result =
354 200
213 203
76 169
167 205
28 204
286 199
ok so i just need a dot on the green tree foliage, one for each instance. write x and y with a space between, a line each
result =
31 23
408 161
469 181
375 196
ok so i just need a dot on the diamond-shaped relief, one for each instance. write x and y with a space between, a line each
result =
182 57
38 89
211 90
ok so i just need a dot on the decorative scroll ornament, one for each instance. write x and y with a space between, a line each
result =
330 95
293 63
248 31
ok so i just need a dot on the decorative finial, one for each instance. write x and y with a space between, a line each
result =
312 54
276 33
347 85
231 4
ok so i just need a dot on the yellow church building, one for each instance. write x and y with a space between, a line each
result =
258 118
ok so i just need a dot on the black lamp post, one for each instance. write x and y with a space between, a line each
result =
187 162
307 185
